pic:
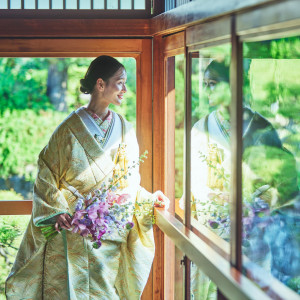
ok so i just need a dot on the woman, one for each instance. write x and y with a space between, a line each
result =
86 149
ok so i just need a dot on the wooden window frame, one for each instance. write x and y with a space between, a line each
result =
240 27
141 50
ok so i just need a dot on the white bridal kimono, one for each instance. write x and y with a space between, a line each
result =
68 267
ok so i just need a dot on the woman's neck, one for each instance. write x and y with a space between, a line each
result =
98 107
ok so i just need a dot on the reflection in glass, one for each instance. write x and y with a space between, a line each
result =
271 157
179 128
210 151
210 139
202 287
179 275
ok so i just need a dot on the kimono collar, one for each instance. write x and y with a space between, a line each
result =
90 145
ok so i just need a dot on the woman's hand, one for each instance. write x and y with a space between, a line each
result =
161 200
63 221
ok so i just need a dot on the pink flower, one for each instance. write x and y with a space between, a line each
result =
122 198
111 198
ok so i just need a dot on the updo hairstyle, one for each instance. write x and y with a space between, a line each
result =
102 67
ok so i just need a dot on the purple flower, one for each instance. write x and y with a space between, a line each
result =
79 205
213 224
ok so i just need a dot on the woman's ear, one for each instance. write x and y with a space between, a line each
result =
100 84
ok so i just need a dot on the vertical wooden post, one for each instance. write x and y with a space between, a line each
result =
187 163
236 119
144 127
158 159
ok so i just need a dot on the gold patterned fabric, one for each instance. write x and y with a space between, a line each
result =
68 267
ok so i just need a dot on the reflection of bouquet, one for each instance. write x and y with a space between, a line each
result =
214 212
103 211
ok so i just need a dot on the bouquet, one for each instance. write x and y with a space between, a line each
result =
103 211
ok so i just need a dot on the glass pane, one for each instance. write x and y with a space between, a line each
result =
29 4
15 4
3 4
139 4
179 275
112 4
271 157
201 286
98 4
179 133
125 4
12 229
71 4
85 4
210 139
57 4
43 4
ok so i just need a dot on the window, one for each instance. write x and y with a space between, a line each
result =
271 169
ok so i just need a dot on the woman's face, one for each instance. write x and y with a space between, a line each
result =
115 87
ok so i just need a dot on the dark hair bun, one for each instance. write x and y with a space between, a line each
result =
101 67
84 88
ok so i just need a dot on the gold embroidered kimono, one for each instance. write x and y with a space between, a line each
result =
67 267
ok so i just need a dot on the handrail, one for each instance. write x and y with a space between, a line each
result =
232 283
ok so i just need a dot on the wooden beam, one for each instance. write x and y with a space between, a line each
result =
174 44
70 47
74 28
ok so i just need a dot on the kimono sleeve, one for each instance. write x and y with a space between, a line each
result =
52 164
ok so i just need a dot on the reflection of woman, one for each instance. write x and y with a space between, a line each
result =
270 180
83 152
261 147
